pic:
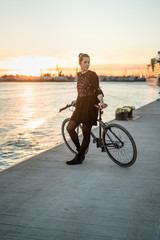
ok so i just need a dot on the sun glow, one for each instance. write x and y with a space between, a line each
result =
38 65
29 65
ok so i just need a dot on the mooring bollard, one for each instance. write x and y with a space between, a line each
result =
121 114
124 113
130 112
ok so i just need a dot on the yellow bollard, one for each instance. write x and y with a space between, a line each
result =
130 113
121 114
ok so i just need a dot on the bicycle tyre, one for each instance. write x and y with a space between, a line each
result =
124 152
67 138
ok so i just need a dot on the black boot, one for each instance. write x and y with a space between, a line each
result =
75 160
82 157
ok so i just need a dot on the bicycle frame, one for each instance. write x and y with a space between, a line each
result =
101 125
99 140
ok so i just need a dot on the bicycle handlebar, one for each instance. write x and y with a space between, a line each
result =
67 106
98 106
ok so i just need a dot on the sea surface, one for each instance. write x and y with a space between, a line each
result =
30 121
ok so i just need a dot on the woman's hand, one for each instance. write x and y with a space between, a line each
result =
73 103
103 105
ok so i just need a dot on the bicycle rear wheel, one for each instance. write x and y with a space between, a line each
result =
67 138
119 145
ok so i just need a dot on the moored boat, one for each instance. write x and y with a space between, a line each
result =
153 71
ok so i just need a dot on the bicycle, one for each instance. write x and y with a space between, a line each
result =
113 139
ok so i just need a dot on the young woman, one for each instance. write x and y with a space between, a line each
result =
85 112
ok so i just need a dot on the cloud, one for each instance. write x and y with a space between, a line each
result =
6 69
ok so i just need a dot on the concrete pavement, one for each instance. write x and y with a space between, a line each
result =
43 198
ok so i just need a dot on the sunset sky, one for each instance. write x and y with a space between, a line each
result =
119 35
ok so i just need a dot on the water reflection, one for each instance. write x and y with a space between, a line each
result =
27 112
152 91
32 124
28 93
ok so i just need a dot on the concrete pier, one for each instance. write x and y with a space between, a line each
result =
42 198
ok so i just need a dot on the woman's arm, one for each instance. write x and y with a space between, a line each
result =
97 90
102 104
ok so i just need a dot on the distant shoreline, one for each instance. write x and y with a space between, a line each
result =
34 81
69 79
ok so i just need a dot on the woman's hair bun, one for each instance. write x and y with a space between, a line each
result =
80 55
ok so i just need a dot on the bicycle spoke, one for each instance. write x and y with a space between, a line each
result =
119 145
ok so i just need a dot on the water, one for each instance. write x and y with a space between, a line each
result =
30 122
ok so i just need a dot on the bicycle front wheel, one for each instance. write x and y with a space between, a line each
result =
67 138
119 145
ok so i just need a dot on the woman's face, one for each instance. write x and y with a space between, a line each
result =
85 64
